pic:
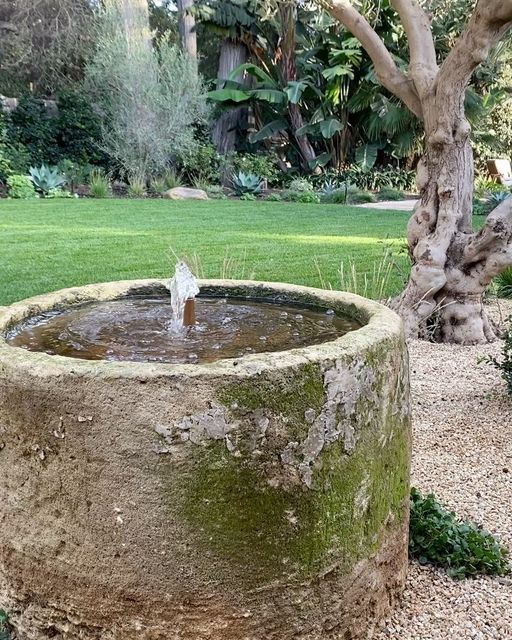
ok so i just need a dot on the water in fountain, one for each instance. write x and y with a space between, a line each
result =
159 328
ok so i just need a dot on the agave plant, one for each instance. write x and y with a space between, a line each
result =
246 183
46 178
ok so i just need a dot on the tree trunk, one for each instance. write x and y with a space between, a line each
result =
444 296
288 70
306 150
233 53
187 27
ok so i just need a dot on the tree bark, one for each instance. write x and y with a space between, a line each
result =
233 53
452 265
187 27
444 295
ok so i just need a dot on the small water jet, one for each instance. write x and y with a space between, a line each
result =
183 288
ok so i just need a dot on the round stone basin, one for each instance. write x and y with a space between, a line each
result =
261 496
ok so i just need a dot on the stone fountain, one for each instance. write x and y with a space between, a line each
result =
249 493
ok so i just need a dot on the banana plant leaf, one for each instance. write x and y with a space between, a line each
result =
229 95
268 130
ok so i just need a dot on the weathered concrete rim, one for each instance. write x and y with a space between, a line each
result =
380 324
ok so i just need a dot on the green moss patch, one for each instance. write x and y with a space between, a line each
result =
269 532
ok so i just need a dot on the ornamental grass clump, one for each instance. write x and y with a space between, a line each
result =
464 549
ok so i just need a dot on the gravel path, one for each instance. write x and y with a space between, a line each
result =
462 452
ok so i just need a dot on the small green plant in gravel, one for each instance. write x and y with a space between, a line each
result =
504 284
505 363
465 550
4 626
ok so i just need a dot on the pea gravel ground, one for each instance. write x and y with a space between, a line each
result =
462 451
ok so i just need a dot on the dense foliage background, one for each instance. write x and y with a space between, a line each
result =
277 89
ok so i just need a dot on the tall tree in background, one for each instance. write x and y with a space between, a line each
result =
236 23
452 264
187 27
287 62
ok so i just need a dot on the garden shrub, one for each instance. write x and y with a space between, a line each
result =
437 537
5 631
274 197
58 193
391 194
32 126
75 174
503 284
20 187
300 185
137 187
485 186
373 179
173 179
46 178
306 197
360 197
35 135
158 185
485 205
18 157
339 195
5 165
216 192
201 162
258 164
77 130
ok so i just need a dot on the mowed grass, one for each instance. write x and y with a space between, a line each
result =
50 244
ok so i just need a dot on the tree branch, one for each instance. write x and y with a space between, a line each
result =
423 62
386 70
490 21
493 238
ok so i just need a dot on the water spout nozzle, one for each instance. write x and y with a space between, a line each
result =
189 314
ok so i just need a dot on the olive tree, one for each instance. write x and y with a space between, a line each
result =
452 264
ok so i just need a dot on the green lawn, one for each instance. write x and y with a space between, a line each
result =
47 245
